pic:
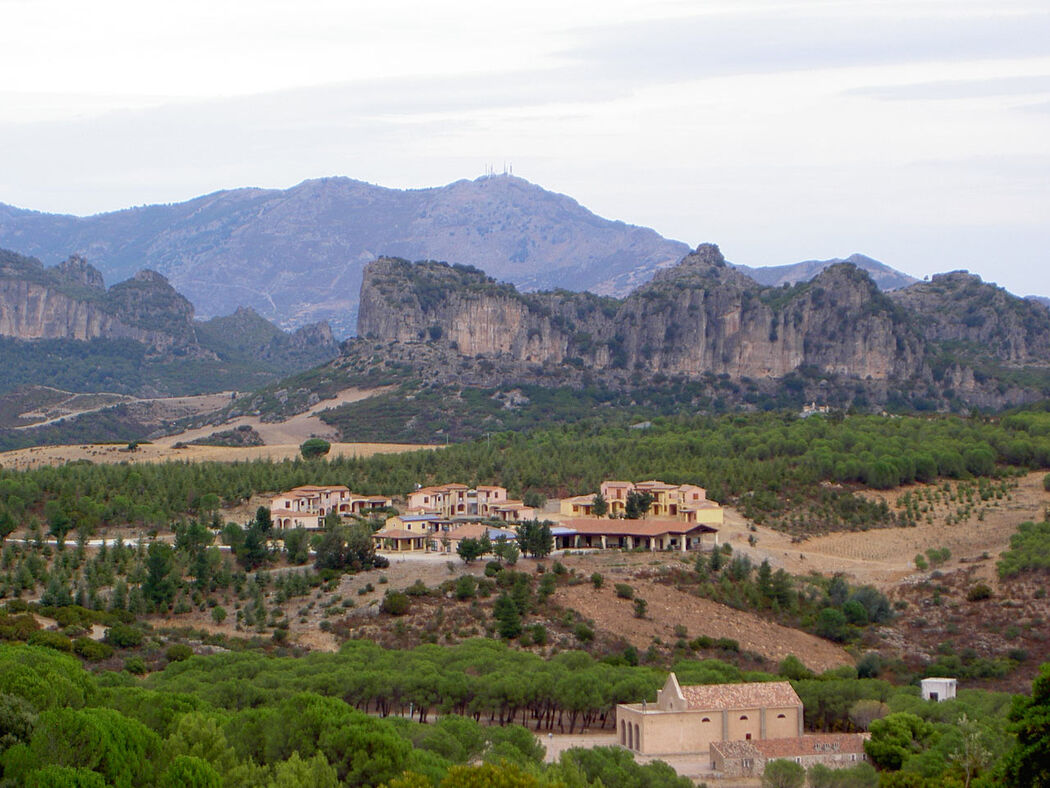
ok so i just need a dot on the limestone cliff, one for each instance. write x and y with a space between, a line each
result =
70 302
701 316
975 317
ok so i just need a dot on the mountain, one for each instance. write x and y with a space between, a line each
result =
1039 300
296 255
776 275
61 326
700 316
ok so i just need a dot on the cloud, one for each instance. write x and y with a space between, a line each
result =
958 89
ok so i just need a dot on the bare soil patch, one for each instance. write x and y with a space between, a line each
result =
39 456
669 607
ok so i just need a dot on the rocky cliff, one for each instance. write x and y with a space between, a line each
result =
979 319
70 301
701 316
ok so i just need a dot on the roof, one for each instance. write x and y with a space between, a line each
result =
596 526
478 530
749 695
417 518
398 533
812 744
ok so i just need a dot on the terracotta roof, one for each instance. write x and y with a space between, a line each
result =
618 484
580 499
595 526
399 533
478 530
749 695
812 744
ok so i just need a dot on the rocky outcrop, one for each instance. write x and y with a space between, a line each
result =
701 316
977 317
70 302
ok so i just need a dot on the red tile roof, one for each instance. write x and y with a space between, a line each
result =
750 695
812 744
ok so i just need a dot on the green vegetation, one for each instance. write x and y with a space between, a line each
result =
1029 550
313 448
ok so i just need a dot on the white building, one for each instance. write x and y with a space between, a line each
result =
938 689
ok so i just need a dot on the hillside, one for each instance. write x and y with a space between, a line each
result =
296 255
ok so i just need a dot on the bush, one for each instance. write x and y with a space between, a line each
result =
123 636
584 633
395 603
466 587
135 665
418 588
624 591
979 592
597 580
49 639
92 650
177 652
493 568
641 607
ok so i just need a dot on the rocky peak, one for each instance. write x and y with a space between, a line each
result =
77 269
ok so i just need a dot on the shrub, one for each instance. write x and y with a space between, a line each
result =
123 636
597 580
493 568
92 650
584 633
979 592
466 587
135 665
640 607
624 591
395 603
177 652
49 639
418 588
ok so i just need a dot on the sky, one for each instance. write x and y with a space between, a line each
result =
917 132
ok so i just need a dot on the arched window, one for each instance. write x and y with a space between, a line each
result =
637 738
743 716
706 719
781 716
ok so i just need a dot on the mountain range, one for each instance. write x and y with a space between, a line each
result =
296 255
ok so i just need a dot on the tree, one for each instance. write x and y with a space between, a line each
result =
782 773
469 550
507 617
535 538
637 504
599 506
313 448
187 771
59 523
7 525
297 545
1028 763
896 737
159 587
254 551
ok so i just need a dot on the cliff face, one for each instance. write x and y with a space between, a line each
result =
959 308
701 316
70 302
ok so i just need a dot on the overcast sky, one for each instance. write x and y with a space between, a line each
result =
915 132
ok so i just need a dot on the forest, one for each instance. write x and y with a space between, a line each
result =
771 466
450 717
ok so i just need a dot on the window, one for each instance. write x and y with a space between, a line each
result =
706 719
743 716
781 716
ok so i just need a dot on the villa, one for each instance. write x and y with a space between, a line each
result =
306 506
685 502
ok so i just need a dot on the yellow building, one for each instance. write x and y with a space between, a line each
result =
689 719
685 502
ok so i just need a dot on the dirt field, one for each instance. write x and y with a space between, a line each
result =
294 430
669 608
884 556
38 456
